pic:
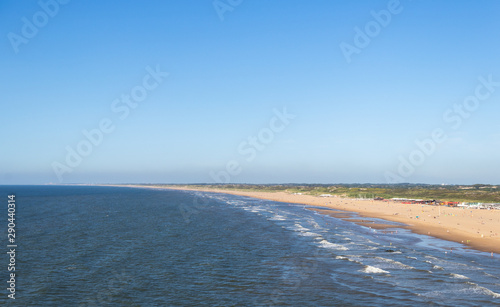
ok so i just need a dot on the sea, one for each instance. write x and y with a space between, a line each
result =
123 246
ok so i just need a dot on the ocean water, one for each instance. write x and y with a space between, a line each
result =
118 246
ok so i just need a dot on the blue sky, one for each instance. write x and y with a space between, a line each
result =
353 121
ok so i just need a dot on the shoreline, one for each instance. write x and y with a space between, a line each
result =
475 228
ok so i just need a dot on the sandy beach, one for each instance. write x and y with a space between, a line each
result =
478 229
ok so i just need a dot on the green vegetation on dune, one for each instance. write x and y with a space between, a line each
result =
460 193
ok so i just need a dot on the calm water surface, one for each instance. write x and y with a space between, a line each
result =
95 246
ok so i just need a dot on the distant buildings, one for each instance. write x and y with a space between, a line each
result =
487 206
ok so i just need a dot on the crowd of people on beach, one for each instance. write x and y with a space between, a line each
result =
433 202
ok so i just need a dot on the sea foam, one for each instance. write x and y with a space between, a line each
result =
371 269
397 263
326 244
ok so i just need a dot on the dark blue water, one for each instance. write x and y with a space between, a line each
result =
95 246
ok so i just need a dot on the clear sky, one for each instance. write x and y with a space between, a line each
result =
257 91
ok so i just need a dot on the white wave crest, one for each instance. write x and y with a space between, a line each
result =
277 217
397 263
326 244
309 234
299 227
484 290
315 225
371 269
489 292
